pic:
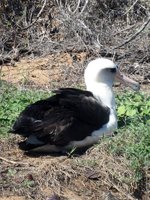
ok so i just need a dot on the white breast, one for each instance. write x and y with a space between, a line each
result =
108 128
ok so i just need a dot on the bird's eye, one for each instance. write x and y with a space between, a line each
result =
112 70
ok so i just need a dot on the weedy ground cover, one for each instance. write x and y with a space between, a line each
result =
133 139
130 144
133 110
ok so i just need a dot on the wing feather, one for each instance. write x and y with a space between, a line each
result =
71 114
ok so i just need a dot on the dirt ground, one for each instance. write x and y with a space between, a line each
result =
62 177
62 70
51 71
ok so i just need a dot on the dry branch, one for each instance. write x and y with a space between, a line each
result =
37 17
131 7
77 7
11 161
134 35
8 59
86 2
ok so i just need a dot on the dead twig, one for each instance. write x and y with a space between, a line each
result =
12 162
37 17
77 7
123 30
120 190
131 7
134 35
86 2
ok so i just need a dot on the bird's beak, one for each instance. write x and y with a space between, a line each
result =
127 81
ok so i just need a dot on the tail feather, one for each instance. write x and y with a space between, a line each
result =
23 126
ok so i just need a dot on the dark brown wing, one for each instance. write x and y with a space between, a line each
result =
71 114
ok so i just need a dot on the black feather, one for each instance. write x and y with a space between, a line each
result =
71 114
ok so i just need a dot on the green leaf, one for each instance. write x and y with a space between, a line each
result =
131 113
121 110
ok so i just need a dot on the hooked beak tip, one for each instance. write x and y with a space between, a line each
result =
127 81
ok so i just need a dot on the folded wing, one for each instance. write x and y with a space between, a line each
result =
69 115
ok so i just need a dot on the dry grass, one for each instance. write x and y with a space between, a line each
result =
95 175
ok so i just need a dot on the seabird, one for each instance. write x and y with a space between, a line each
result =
74 118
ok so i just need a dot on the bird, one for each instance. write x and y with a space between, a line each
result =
73 118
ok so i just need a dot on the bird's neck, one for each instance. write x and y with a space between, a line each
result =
104 93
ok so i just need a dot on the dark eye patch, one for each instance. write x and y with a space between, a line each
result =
112 70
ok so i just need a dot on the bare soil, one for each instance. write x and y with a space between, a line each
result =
63 70
51 71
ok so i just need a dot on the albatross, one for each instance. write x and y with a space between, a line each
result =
74 118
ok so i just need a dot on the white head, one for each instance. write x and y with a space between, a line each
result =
104 71
100 75
100 71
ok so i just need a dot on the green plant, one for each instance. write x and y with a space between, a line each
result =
28 183
13 101
133 138
133 107
11 172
